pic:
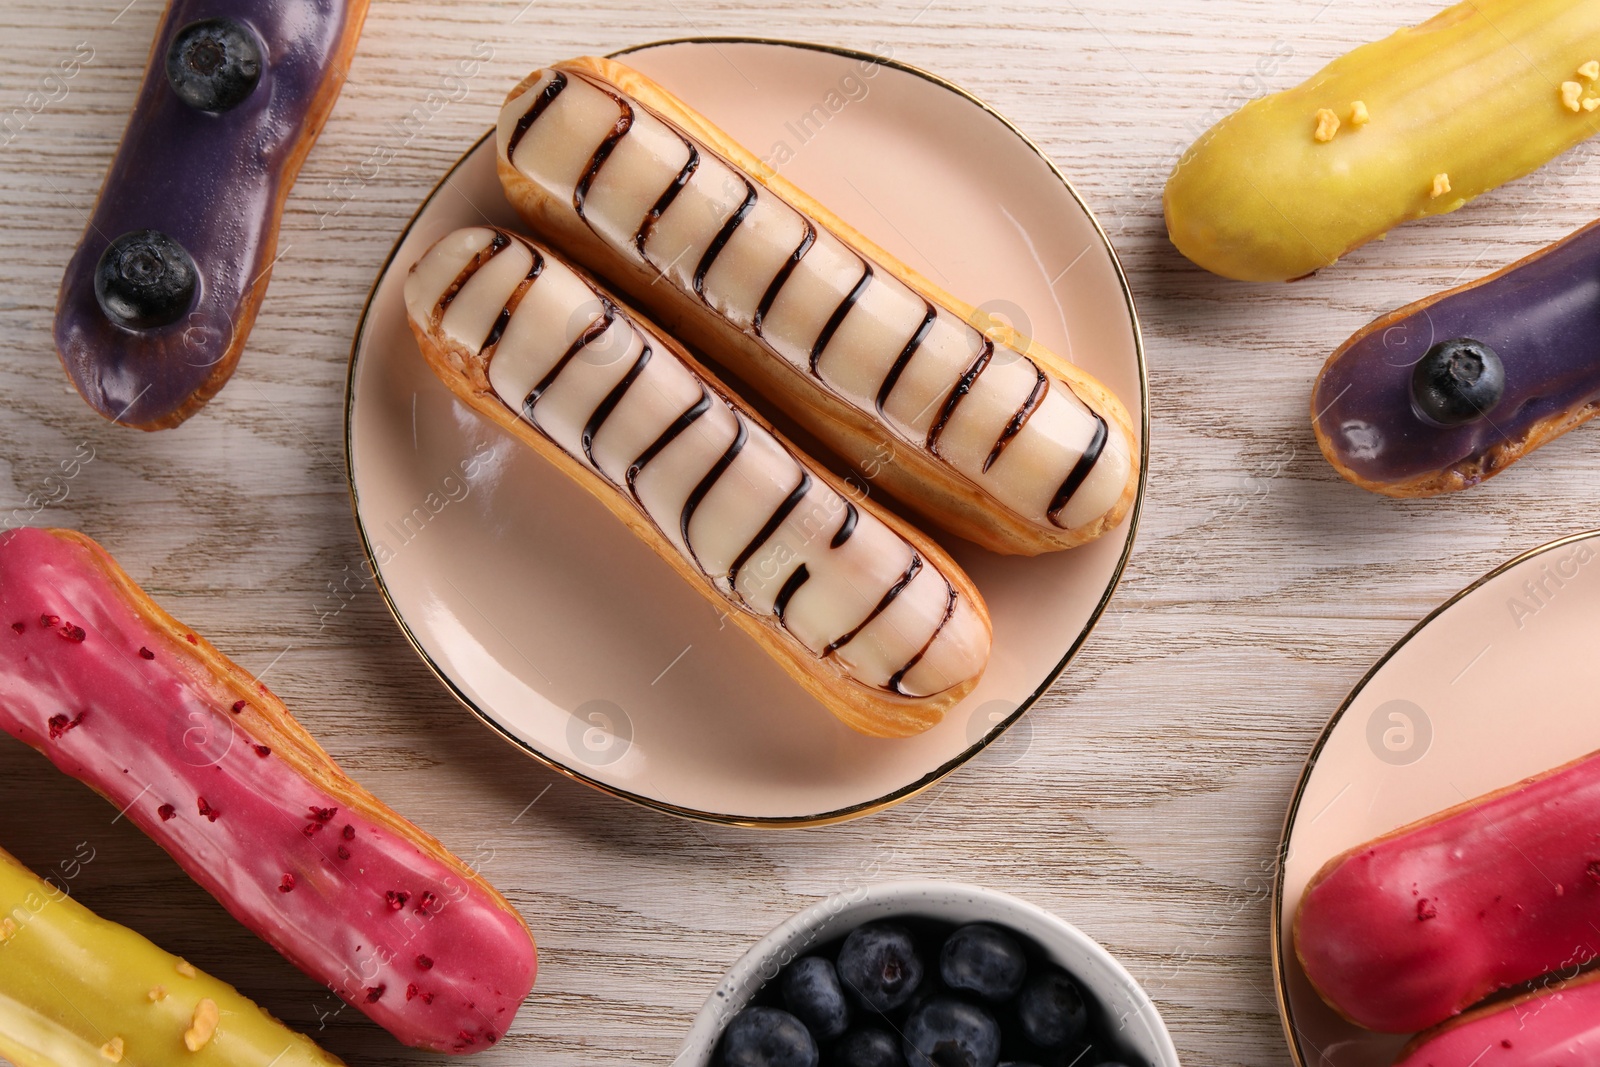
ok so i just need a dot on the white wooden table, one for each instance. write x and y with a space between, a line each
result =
1147 805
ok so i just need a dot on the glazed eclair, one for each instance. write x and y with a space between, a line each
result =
77 990
988 435
871 617
211 765
1407 931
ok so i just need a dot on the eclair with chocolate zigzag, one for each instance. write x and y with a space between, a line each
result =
985 434
866 613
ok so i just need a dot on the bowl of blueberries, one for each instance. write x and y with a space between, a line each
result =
927 974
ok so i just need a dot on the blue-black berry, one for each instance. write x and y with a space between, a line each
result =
144 279
951 1033
214 64
767 1037
811 991
880 966
983 960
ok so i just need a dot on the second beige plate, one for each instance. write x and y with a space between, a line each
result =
1496 685
571 638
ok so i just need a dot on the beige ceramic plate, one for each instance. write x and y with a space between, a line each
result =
571 638
1494 686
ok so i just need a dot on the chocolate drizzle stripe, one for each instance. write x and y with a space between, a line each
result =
603 152
847 527
558 82
893 685
676 427
668 195
606 406
779 279
1080 470
839 313
770 527
892 379
499 243
608 315
720 241
1040 387
512 302
795 580
888 598
958 394
718 469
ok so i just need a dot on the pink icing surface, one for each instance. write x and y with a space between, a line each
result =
1557 1029
1409 931
407 939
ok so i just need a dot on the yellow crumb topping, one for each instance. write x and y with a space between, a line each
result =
1441 185
186 968
1327 125
158 993
1590 70
1591 103
1570 92
112 1050
203 1027
1358 113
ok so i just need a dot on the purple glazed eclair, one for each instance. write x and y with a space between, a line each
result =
1452 389
208 763
161 293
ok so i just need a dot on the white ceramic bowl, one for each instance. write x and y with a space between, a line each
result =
1127 1008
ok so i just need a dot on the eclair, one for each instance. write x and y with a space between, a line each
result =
1555 1025
867 614
210 764
77 990
1406 931
159 297
1450 390
1411 126
985 434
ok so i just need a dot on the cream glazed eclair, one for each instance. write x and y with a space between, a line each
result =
988 435
871 617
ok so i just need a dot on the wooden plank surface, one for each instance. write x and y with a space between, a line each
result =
1146 803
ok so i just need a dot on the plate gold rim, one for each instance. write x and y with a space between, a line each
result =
1280 951
945 769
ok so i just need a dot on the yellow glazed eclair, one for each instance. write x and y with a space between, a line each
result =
988 435
866 613
77 990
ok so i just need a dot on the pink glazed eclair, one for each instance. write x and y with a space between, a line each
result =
1411 929
1558 1026
207 762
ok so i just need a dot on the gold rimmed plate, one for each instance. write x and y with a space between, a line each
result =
1496 685
570 638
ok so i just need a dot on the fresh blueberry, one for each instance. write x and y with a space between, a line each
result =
951 1033
214 64
767 1037
983 960
811 990
1051 1010
144 279
879 964
1457 382
867 1048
